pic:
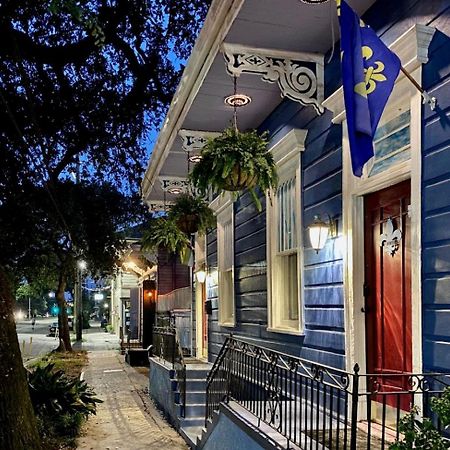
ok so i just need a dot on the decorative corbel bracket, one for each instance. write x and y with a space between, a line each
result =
158 206
298 75
178 184
194 141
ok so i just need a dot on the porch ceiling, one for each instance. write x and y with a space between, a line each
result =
285 25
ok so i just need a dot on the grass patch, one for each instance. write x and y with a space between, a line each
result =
72 363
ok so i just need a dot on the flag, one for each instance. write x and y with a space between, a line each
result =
369 71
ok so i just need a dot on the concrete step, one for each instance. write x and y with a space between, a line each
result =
192 422
193 410
197 373
190 434
195 385
196 397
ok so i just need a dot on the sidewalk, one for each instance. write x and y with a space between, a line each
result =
127 420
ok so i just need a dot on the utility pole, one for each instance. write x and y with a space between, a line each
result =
29 307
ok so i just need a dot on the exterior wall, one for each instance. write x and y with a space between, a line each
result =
436 200
171 273
321 168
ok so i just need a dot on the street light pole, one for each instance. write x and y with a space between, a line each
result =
29 307
78 300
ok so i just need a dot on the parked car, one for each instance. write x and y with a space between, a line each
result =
52 329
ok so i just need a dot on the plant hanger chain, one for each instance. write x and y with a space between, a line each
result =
235 103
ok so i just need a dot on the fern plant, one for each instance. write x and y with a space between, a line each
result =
192 214
235 161
164 232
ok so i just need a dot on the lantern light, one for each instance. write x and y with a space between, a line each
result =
201 274
319 231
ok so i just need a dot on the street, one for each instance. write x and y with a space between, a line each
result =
35 343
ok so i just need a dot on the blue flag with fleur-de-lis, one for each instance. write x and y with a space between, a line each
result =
369 71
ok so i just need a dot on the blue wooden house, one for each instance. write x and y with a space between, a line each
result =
304 346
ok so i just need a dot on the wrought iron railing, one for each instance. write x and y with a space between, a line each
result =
315 406
166 345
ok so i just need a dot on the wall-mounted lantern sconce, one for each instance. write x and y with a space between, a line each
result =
319 231
200 275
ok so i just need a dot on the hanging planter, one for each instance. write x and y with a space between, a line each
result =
164 233
192 214
235 161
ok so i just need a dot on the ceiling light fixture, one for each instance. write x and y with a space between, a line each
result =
313 2
175 190
195 158
237 100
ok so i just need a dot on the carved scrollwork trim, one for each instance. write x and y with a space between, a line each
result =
194 140
298 75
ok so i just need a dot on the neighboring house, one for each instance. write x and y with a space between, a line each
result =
302 319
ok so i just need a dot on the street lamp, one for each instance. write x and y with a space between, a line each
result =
81 266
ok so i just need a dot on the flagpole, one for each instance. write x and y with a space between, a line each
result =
426 97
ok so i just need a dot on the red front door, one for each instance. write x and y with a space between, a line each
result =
388 290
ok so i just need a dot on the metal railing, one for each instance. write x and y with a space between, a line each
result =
126 342
166 345
315 406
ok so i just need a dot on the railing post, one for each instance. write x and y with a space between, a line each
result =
355 400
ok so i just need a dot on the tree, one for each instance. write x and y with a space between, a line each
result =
81 82
93 217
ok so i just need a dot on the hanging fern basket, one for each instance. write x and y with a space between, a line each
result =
188 223
239 179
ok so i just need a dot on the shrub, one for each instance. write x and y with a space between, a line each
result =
422 434
61 404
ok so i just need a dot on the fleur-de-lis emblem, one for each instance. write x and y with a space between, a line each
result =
390 239
373 74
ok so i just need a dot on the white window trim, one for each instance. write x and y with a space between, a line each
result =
286 154
220 205
412 48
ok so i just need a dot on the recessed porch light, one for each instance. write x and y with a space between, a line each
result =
195 158
175 190
237 100
313 2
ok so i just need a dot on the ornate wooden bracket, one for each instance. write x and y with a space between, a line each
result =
298 75
194 141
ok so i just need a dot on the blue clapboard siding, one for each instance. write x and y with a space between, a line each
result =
436 202
323 297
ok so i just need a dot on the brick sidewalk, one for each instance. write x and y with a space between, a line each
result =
127 420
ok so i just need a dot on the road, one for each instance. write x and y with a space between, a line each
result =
35 343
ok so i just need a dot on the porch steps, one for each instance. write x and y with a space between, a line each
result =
194 414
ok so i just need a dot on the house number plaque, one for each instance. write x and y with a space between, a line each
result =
390 239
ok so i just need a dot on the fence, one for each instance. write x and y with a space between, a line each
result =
166 346
315 406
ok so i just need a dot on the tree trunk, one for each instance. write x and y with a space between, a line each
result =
18 430
63 324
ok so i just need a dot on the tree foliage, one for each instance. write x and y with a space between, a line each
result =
90 78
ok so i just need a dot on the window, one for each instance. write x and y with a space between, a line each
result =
284 243
225 256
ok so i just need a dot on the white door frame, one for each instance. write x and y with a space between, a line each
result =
354 189
412 49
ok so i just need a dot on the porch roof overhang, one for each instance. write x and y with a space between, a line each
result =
294 32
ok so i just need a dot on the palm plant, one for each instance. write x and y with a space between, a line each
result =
192 214
235 161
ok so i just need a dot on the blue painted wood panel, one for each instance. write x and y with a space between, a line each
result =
436 199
